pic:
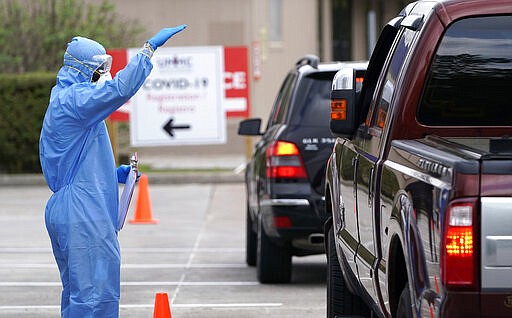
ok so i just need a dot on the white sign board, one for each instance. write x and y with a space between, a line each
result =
181 102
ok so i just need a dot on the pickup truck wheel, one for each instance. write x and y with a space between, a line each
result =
404 309
251 241
340 301
273 261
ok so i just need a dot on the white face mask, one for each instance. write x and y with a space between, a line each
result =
104 77
101 65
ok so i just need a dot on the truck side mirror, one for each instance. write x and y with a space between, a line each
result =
343 113
346 87
250 127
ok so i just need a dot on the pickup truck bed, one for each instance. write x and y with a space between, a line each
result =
433 171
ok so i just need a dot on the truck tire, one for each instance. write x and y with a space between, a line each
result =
340 301
251 241
404 309
274 262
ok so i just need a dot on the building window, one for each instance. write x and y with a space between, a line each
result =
342 29
275 21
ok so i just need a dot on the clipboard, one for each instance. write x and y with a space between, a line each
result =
126 196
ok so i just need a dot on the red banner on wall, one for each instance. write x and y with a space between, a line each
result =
119 61
236 81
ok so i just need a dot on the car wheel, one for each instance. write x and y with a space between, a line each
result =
340 301
404 309
251 241
274 262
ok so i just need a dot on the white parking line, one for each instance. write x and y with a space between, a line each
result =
12 266
204 266
30 284
169 283
25 250
190 283
194 251
189 263
227 305
134 250
29 307
133 266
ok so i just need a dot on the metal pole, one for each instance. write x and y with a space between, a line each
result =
112 133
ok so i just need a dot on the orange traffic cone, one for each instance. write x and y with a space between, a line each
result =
143 204
162 308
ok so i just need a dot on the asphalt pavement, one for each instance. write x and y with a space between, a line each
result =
195 254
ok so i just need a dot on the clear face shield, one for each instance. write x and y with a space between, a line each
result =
102 72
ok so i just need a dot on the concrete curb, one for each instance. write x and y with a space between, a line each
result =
11 180
195 177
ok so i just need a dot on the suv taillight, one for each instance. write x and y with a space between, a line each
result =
458 260
284 161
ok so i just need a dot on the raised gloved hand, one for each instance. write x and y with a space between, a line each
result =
163 35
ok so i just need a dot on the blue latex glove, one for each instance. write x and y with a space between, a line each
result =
122 173
163 35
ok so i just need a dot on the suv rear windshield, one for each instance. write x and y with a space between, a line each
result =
313 100
470 80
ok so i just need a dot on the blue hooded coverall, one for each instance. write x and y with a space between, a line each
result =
78 165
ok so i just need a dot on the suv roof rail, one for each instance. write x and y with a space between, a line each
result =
309 59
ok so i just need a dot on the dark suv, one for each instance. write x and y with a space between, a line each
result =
285 176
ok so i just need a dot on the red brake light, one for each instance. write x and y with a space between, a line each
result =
284 161
282 222
459 257
459 241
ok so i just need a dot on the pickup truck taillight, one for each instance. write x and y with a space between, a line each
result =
458 261
284 161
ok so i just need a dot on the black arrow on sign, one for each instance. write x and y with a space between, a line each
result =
169 127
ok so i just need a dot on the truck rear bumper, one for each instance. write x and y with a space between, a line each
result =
475 304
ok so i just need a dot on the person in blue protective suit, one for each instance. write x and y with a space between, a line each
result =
78 164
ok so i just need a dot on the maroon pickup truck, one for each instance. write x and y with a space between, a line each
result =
419 183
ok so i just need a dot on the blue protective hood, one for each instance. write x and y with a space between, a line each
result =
78 59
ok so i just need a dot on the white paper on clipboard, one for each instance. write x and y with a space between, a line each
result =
126 196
